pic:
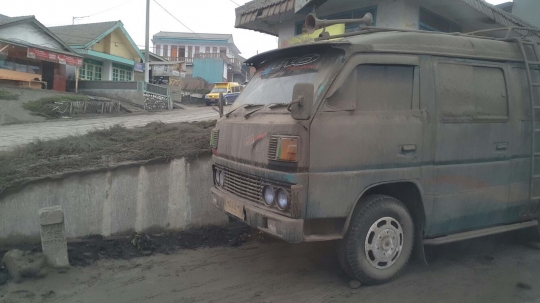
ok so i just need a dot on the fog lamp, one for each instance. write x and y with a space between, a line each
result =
221 178
217 175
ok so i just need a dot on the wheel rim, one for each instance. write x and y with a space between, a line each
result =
384 243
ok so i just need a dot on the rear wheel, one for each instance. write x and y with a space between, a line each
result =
379 241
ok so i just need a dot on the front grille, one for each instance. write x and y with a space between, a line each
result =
215 138
248 186
243 185
272 147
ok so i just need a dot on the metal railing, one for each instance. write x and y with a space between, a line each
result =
127 85
156 89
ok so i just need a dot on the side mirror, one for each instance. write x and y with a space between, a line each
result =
302 101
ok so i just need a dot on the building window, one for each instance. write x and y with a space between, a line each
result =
214 50
197 50
122 73
165 50
90 70
207 49
429 21
158 49
190 51
354 14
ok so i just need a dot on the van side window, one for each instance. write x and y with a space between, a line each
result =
521 89
384 87
468 93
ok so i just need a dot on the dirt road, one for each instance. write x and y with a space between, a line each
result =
12 135
497 269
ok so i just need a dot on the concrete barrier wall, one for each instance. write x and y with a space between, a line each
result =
147 198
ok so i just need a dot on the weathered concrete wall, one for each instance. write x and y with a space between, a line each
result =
151 198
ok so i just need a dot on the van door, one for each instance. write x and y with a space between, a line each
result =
519 205
369 131
470 180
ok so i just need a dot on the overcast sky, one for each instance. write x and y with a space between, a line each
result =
201 16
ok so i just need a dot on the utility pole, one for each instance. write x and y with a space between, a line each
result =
147 45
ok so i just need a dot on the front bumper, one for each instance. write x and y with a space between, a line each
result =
211 100
288 229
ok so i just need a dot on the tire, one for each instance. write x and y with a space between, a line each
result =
207 103
388 227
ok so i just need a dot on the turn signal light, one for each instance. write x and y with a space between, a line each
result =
287 149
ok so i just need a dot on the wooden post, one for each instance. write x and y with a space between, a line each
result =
77 79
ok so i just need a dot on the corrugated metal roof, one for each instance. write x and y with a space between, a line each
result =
497 14
6 20
267 8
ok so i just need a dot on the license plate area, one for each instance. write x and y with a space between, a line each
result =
234 208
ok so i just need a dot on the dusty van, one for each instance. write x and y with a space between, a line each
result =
221 87
386 140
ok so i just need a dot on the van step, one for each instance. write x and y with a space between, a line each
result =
479 233
535 198
536 84
534 62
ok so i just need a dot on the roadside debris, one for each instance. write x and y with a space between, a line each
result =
354 284
139 245
24 265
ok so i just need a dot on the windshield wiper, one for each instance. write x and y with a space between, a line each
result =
246 106
271 106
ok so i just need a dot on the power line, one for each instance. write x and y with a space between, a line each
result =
177 19
235 3
109 8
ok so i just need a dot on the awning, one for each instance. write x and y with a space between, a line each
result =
271 9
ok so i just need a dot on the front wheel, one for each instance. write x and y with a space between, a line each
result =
379 241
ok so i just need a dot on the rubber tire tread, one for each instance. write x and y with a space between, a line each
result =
370 206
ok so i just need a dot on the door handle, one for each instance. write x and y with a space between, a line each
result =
408 148
501 146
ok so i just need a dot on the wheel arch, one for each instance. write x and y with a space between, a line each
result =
411 195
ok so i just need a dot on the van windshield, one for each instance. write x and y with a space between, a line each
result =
218 90
275 79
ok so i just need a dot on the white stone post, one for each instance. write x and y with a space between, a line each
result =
53 236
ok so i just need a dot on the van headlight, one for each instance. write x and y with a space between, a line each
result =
282 198
269 195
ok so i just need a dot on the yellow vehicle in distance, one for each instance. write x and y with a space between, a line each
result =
220 87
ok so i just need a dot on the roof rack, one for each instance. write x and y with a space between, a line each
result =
522 32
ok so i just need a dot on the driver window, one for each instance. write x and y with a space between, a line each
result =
384 87
376 88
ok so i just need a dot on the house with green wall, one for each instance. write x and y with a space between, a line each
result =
108 50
